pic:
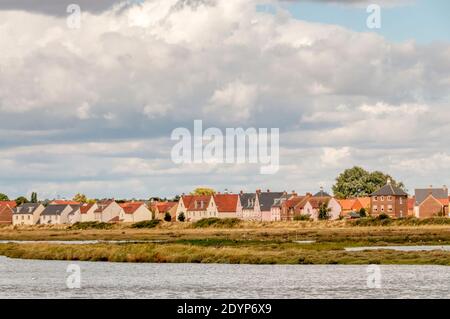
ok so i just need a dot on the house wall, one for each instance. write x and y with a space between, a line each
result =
394 206
210 211
335 209
141 214
111 211
309 210
22 219
6 216
55 219
90 215
181 208
430 208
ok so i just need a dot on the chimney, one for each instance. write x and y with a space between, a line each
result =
241 192
258 191
268 190
445 188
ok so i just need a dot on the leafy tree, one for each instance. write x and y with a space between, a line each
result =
21 200
362 212
357 182
181 217
167 217
203 191
3 197
323 211
80 198
34 198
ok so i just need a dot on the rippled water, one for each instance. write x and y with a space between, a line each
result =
401 248
47 279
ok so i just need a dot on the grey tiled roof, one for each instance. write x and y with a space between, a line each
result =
267 199
58 209
422 193
389 189
27 208
247 200
321 194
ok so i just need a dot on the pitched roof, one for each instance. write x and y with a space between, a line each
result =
164 207
131 207
103 204
317 201
9 203
267 199
226 202
197 202
389 189
58 209
85 208
365 201
422 193
64 202
247 200
27 208
321 193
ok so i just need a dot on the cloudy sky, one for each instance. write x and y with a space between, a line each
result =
92 109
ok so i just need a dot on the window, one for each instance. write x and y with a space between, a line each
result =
29 217
22 217
375 208
382 198
389 198
375 198
400 200
389 208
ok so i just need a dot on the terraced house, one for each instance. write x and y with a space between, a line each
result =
431 202
196 207
60 214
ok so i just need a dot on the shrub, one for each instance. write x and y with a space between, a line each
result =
362 212
181 217
217 222
146 224
167 217
91 225
302 217
382 217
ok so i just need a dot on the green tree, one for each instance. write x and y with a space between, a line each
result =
362 212
167 217
324 211
181 217
357 182
34 198
21 200
80 198
203 191
3 197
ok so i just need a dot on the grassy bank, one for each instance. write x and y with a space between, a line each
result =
237 253
236 242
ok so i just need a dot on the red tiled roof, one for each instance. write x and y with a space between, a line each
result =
226 202
164 207
316 201
85 208
365 201
64 202
193 202
130 208
9 203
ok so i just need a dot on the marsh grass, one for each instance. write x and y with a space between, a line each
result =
90 225
217 222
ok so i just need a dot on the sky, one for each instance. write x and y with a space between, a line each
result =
92 109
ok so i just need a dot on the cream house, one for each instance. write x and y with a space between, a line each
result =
313 204
107 211
87 212
196 207
250 206
134 212
27 214
60 214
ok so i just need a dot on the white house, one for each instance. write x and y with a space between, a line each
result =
196 207
87 212
134 212
60 214
27 214
107 211
313 204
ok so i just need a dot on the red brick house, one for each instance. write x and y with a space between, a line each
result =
6 215
390 200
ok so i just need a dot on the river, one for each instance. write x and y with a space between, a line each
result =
48 279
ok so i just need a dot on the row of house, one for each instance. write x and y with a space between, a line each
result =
69 212
256 206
